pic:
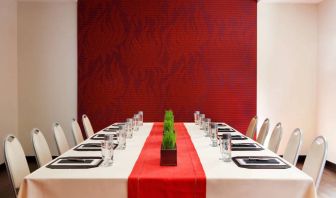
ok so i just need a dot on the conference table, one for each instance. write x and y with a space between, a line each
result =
136 172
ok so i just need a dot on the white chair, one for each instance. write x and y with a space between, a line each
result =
293 148
76 131
252 127
263 132
275 139
16 163
41 148
87 126
316 159
61 141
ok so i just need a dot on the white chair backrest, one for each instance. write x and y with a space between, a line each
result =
41 148
61 141
87 126
15 159
275 138
76 131
252 127
316 159
263 132
293 148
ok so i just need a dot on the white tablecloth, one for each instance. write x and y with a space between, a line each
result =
223 179
92 183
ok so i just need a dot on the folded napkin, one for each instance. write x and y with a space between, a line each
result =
244 145
75 161
238 137
111 129
225 130
91 145
261 161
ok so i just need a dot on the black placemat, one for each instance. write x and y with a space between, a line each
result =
282 165
101 137
94 147
226 130
235 137
79 166
111 129
246 147
118 124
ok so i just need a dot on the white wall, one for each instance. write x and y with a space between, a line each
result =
287 59
47 68
8 71
326 103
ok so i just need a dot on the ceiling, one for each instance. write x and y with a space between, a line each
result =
290 1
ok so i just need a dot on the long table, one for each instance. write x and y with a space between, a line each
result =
222 179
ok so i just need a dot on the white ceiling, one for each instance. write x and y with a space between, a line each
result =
290 1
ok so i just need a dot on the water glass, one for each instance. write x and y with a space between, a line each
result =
225 147
196 117
122 137
140 113
202 117
129 129
136 122
213 134
107 150
207 127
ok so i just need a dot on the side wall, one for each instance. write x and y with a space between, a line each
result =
8 71
326 103
47 54
287 66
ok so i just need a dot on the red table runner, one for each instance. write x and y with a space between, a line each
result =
150 180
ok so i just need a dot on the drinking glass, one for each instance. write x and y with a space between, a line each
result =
207 127
213 134
225 147
122 137
136 122
202 117
196 117
107 150
129 130
140 113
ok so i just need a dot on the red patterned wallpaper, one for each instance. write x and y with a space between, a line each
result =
153 55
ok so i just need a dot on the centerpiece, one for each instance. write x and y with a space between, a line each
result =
168 153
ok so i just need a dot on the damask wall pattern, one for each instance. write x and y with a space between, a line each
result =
153 55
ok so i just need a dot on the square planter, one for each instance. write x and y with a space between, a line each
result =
168 157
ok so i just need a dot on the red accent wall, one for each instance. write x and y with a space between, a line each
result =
153 55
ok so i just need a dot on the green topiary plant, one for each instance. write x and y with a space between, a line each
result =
169 140
169 136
